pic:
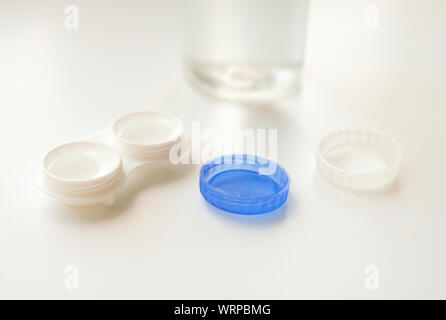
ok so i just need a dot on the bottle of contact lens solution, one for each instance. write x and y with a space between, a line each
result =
249 50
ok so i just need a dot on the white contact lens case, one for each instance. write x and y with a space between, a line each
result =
359 159
91 171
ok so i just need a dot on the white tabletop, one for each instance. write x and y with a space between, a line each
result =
162 240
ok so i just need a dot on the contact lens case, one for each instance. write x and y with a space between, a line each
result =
91 171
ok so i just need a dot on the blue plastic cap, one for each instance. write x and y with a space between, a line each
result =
244 184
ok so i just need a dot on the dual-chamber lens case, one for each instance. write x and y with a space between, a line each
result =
91 171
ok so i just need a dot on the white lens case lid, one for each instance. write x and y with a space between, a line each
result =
359 159
90 172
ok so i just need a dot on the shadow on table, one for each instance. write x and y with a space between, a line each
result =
142 179
265 219
331 191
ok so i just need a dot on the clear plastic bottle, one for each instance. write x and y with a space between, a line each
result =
245 50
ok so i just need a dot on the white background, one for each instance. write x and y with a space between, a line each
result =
163 240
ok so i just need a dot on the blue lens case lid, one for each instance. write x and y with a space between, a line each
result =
244 184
